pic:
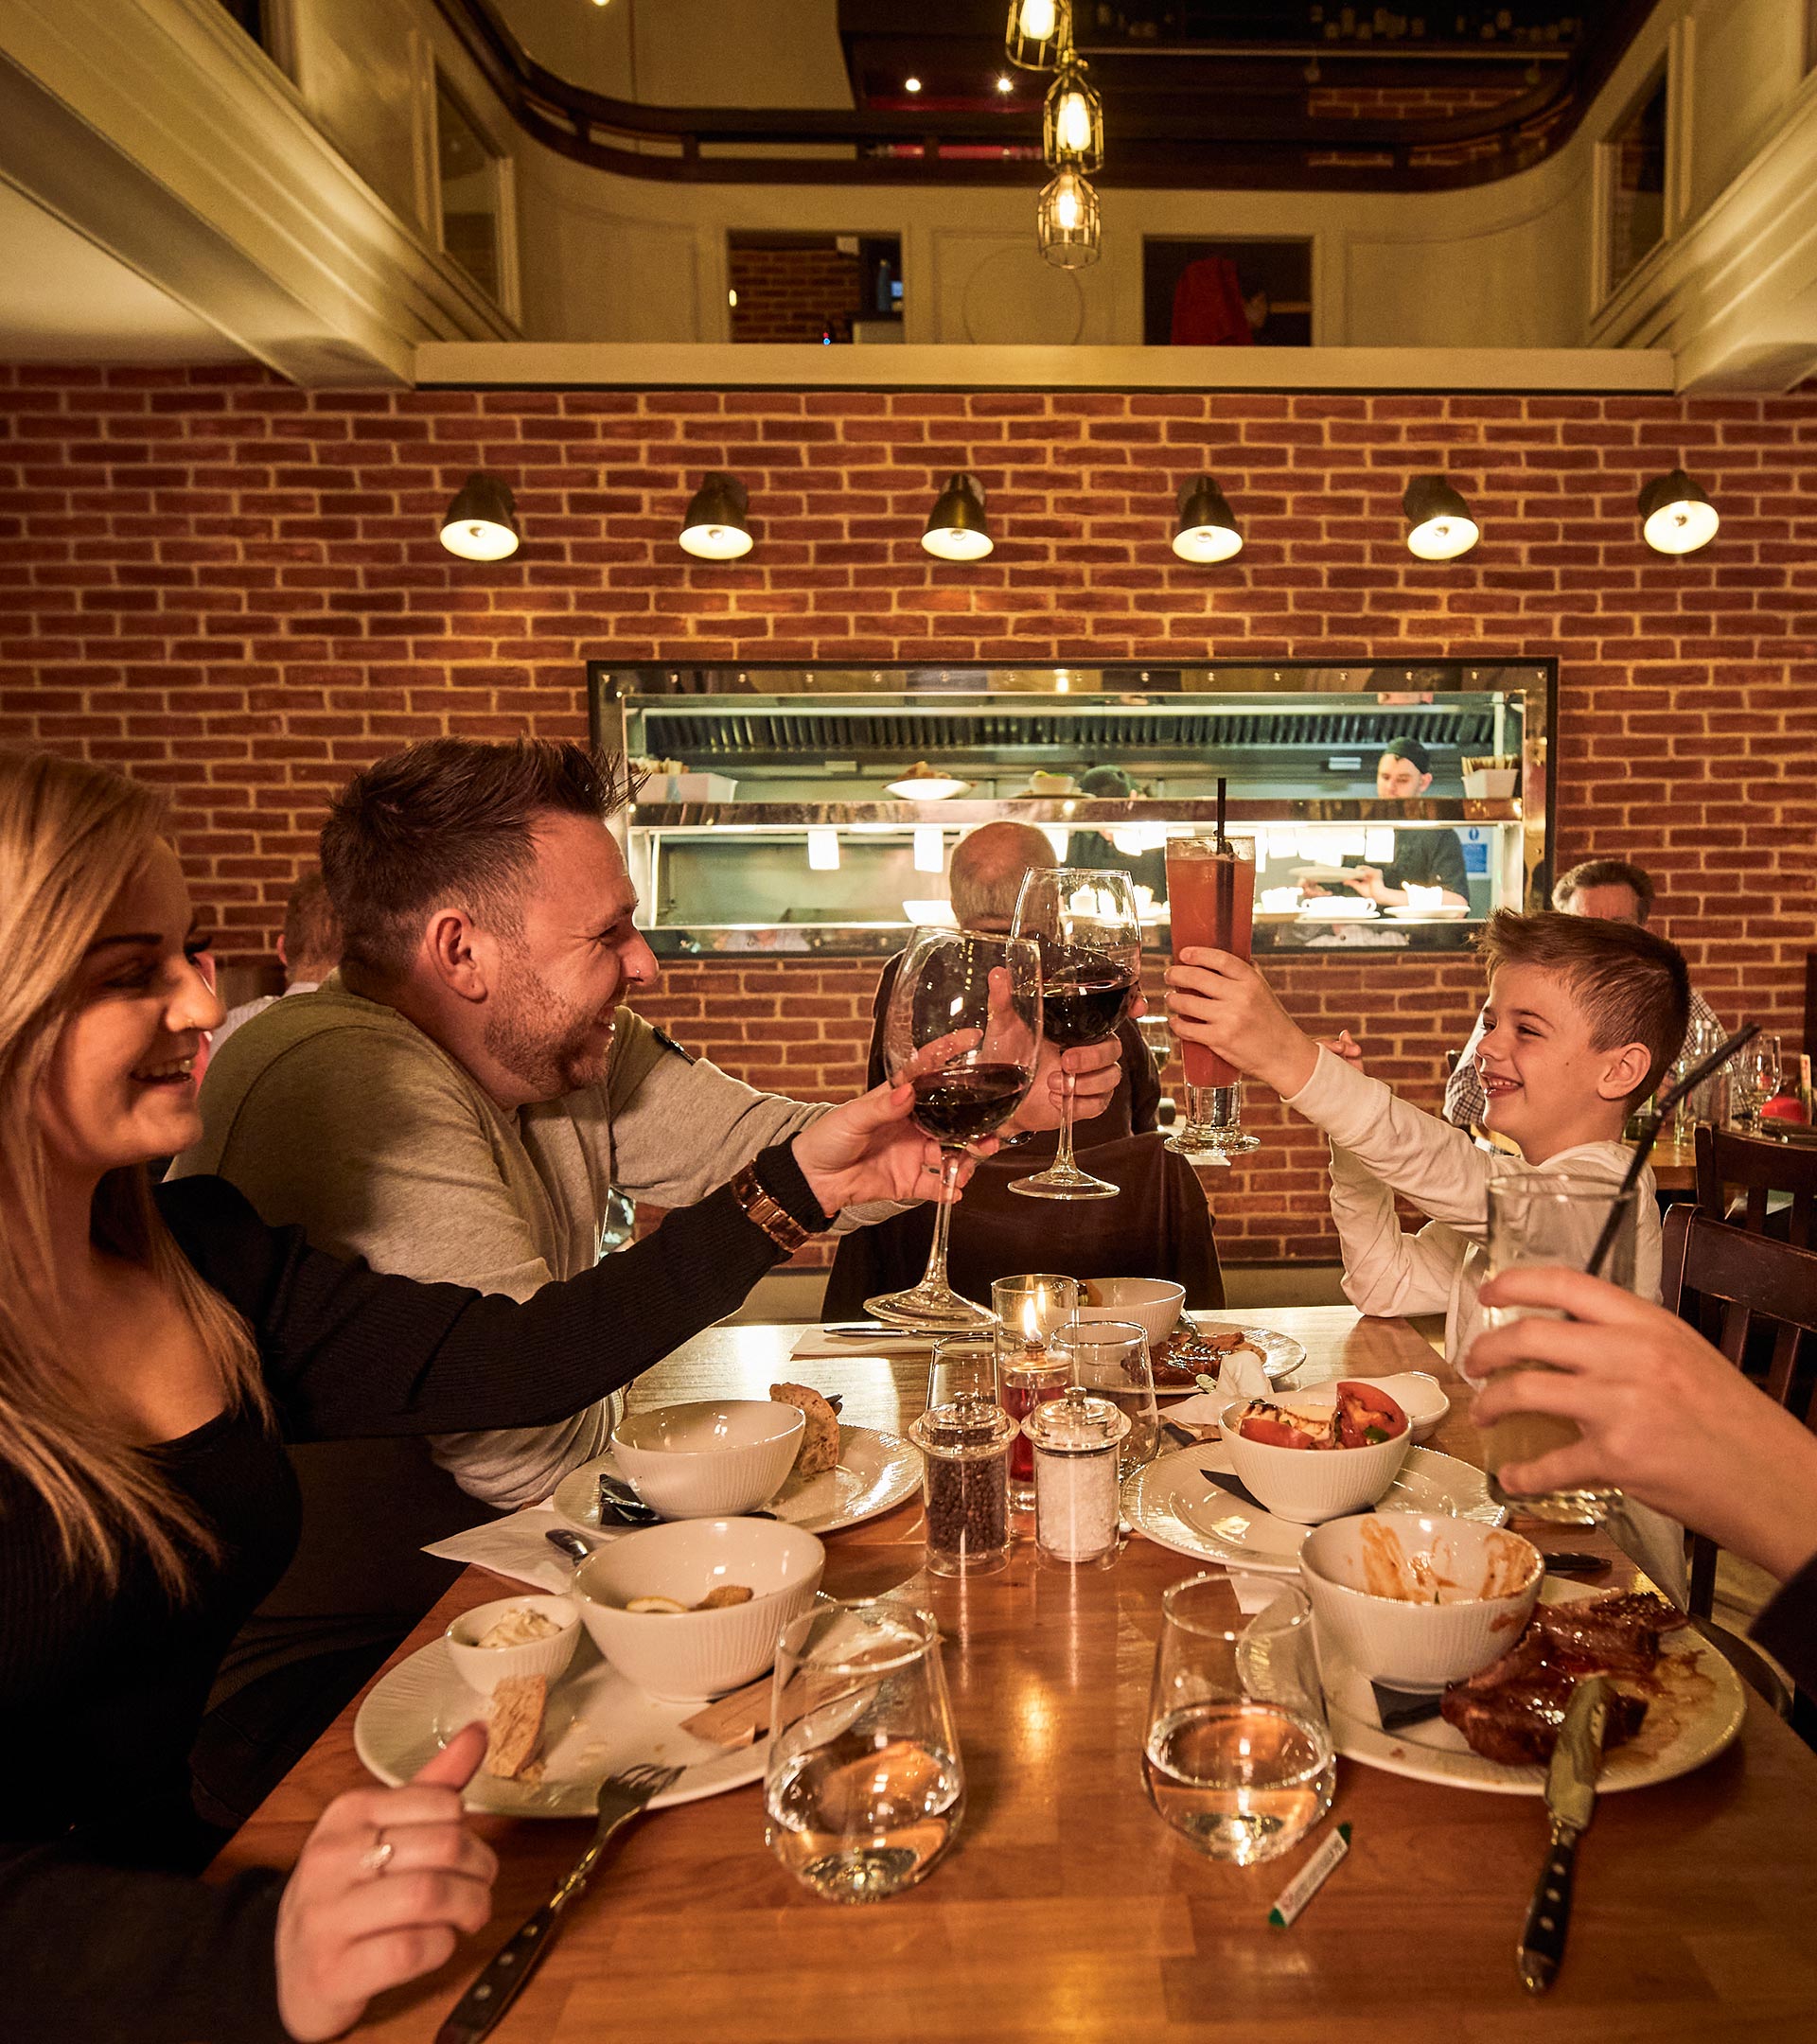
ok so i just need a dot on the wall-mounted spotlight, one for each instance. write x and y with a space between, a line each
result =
1675 516
716 526
1205 529
1039 33
1443 526
956 529
482 523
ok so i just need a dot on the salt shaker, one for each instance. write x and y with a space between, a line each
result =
965 1469
1075 1439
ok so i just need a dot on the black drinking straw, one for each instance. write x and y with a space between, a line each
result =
1649 1134
1222 842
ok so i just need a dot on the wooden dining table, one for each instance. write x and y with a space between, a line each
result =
1067 1909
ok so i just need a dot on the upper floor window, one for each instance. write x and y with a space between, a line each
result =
1634 160
473 179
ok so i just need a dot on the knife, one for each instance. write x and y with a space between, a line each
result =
1571 1798
622 1796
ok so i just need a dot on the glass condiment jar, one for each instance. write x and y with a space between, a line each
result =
1076 1492
965 1472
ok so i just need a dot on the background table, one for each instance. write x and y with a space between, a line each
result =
1067 1909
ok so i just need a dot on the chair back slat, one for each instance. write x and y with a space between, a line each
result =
1758 1165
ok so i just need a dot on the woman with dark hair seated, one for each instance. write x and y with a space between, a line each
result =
155 1350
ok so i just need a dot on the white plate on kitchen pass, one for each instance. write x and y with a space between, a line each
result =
1178 1506
877 1471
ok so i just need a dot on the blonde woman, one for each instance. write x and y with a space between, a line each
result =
156 1349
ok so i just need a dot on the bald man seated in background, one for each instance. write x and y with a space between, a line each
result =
986 876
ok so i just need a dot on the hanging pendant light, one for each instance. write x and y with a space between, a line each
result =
482 523
956 530
1205 529
1443 526
1039 33
715 526
1072 121
1675 516
1066 222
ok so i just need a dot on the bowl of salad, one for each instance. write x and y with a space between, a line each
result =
1310 1459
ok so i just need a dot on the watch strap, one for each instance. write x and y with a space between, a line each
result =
764 1210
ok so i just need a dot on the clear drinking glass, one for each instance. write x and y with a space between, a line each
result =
1703 1103
1555 1220
1757 1071
1238 1754
1090 935
1110 1359
963 1027
863 1785
1211 904
963 1365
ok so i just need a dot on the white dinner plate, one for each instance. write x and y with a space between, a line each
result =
597 1722
1178 1507
1698 1715
1445 913
877 1471
1280 1353
1338 909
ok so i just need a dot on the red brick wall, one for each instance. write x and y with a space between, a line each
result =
234 589
790 293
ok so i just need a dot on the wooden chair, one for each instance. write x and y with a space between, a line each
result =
1728 1282
1757 1166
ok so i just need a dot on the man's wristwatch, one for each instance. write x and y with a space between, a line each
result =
768 1212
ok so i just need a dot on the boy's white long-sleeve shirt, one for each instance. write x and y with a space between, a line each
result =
1382 1146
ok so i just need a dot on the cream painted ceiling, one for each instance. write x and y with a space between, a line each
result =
63 299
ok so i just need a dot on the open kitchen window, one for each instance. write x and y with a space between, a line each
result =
814 287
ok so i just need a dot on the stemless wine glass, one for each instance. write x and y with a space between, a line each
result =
963 1365
863 1785
1551 1218
1110 1359
1091 936
1237 1756
963 1027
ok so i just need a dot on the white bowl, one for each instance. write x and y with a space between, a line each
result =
1308 1485
1419 1645
485 1668
711 1460
1422 1397
1153 1303
690 1654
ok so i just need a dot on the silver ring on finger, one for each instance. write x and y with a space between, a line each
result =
377 1856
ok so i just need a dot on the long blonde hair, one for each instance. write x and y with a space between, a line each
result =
71 837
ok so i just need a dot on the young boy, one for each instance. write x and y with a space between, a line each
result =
1583 1019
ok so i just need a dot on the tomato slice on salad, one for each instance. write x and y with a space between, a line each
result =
1366 1415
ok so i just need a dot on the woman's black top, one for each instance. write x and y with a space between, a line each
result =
101 1690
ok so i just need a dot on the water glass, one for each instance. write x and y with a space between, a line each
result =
1110 1359
1238 1754
1554 1219
1756 1079
963 1365
1705 1102
863 1786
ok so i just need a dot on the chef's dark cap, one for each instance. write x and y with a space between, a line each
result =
1411 750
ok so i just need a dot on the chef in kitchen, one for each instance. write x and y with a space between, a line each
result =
1425 858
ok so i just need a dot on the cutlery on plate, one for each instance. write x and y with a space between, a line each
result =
622 1796
1570 1800
1575 1564
569 1544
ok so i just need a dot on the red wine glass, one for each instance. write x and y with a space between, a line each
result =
963 1028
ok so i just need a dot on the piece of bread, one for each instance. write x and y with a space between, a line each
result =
513 1723
820 1448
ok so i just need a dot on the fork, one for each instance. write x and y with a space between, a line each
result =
622 1796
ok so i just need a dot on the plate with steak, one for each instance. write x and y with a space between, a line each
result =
1676 1703
1200 1345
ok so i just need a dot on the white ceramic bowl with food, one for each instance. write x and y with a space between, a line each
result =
1153 1303
710 1460
485 1668
1419 1602
690 1654
1311 1485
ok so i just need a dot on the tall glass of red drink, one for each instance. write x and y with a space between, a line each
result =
1211 903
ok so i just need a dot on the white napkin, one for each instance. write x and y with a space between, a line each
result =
815 1345
514 1548
1655 1543
1241 1374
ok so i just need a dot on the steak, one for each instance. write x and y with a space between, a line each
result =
1511 1711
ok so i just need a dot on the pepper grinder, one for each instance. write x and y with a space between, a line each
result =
965 1472
1076 1491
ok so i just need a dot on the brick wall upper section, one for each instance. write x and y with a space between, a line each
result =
793 293
234 589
